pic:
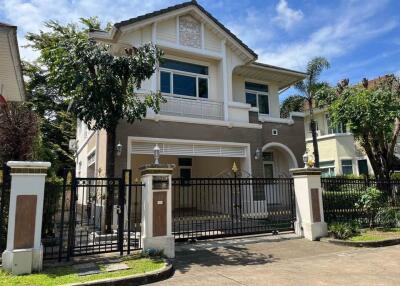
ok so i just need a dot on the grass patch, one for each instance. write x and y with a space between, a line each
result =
60 275
376 235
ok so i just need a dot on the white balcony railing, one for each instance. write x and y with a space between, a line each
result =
198 108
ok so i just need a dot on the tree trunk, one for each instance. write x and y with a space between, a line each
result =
110 159
314 135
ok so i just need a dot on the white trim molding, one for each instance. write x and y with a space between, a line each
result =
329 136
285 148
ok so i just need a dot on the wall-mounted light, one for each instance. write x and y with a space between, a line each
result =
119 149
258 154
156 151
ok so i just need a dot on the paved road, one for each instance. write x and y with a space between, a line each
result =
283 260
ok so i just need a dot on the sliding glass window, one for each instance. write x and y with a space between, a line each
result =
257 96
185 79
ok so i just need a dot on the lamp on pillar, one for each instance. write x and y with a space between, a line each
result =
305 159
258 154
156 155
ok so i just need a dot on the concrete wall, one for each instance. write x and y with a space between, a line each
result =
291 136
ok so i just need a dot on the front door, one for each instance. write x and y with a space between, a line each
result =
268 170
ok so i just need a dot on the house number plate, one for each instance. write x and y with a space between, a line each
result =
160 202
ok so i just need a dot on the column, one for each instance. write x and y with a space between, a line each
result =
157 208
24 252
309 208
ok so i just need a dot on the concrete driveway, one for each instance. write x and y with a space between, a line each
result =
282 260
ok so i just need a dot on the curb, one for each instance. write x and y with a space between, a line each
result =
380 243
155 276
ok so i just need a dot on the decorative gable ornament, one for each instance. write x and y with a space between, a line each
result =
189 32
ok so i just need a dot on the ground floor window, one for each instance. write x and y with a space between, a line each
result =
347 167
185 168
362 167
328 168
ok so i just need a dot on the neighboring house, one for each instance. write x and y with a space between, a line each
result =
222 106
11 80
339 153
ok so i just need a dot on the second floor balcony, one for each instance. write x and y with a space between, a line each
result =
196 107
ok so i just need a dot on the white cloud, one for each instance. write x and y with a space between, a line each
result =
346 31
251 29
29 16
286 16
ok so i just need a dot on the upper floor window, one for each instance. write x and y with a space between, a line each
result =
257 96
182 78
340 128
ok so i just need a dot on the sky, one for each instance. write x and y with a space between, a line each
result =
360 38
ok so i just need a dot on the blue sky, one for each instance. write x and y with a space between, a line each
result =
360 38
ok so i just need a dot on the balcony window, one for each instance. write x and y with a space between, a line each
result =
340 128
257 96
184 79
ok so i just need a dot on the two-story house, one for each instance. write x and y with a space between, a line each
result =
11 80
222 105
338 151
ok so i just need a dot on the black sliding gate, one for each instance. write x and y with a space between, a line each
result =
217 207
76 221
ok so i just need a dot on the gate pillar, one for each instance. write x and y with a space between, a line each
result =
309 209
24 252
157 208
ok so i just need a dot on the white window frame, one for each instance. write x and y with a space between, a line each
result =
178 72
257 93
352 165
329 167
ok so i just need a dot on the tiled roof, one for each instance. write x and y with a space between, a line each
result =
183 5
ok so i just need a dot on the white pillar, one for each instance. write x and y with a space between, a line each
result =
157 208
24 252
309 208
225 78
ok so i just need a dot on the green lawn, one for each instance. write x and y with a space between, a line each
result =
67 274
376 235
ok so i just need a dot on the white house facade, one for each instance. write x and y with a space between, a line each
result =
222 105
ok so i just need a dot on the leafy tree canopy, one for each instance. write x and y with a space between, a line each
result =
56 124
372 114
100 84
293 103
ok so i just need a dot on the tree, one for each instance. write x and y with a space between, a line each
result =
293 103
100 84
308 88
57 125
372 113
18 131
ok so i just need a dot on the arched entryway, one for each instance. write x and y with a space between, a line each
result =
278 159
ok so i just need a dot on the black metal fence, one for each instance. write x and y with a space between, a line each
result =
217 207
340 196
74 219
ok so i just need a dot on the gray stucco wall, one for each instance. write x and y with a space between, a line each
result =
291 136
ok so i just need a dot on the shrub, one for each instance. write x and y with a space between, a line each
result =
152 252
370 201
344 230
388 217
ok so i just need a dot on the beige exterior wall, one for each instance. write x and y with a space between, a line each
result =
211 41
166 30
334 147
10 69
202 167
